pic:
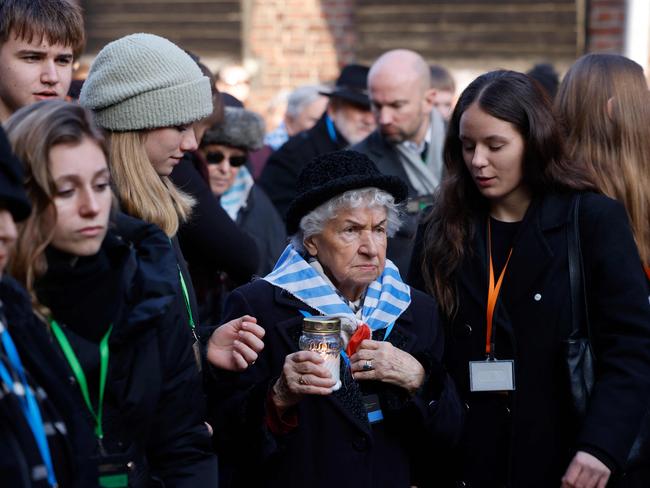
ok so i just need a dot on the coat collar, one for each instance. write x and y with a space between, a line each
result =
531 253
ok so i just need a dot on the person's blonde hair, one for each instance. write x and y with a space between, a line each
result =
604 105
33 131
141 191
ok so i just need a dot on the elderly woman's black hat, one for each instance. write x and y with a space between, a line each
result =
12 192
334 173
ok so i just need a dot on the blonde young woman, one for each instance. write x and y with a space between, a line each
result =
147 93
604 105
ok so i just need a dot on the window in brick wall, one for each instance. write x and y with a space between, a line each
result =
448 29
208 28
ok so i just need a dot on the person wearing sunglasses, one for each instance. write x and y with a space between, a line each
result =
225 147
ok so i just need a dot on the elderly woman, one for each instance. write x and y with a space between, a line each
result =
225 148
284 421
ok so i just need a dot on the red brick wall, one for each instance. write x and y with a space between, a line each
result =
606 26
295 42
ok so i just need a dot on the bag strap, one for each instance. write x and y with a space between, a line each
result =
576 276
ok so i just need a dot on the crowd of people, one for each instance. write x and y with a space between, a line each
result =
486 261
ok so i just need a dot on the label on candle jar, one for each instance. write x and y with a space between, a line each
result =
332 357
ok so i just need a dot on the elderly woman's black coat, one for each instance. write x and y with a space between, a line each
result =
528 438
333 444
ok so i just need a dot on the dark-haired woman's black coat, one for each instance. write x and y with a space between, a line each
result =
528 438
333 443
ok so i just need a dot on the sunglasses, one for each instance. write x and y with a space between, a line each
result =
218 157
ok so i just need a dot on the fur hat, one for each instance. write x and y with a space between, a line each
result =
143 81
334 173
240 128
12 191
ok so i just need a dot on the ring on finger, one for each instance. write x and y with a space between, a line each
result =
367 366
302 380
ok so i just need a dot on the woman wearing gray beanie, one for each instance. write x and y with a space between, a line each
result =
147 93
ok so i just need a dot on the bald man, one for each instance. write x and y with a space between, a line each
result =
409 137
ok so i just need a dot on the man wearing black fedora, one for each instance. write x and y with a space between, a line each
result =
347 120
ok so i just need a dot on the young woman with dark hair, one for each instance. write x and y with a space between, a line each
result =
495 254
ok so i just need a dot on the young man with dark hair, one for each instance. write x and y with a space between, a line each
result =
39 40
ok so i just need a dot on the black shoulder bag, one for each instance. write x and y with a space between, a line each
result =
580 359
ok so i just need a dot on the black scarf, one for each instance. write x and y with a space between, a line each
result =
83 292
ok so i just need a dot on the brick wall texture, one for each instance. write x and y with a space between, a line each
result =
606 26
295 42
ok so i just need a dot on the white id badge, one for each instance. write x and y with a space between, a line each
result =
492 375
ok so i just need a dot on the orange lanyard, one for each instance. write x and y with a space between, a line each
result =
493 295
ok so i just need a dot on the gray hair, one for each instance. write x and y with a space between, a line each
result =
301 97
314 222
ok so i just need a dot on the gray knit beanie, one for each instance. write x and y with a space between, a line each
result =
240 128
143 81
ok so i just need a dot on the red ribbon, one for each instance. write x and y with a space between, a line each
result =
361 334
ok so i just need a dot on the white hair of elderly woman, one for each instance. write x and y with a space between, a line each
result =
314 222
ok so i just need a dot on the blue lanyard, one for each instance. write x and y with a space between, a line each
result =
344 355
330 128
27 401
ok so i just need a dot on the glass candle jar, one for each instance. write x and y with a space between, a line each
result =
323 336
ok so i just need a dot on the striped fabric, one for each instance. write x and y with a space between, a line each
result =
386 298
235 197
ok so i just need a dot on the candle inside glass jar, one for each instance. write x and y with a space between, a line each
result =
323 336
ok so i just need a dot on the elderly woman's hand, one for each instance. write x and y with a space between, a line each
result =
236 344
381 361
303 373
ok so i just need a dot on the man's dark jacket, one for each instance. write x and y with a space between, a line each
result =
280 176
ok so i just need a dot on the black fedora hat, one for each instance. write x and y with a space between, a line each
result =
334 173
12 191
352 85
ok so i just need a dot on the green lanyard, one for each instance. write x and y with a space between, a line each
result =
186 296
81 377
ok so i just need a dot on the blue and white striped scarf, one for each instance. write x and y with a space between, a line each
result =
386 298
235 197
